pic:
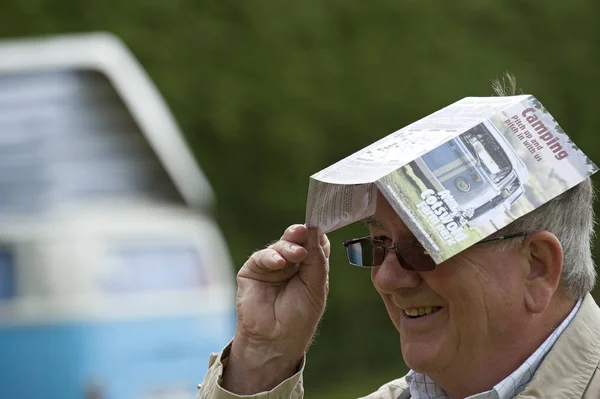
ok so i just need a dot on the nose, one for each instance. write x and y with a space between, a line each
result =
390 276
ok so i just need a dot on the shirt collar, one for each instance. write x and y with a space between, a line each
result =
423 387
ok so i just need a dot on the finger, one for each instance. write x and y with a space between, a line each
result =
290 251
315 267
324 241
296 233
265 261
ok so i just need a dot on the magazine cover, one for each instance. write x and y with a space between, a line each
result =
456 176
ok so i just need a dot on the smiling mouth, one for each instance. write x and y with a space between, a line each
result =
415 313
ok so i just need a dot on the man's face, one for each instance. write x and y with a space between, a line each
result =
478 295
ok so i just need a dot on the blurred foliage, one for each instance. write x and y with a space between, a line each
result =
269 92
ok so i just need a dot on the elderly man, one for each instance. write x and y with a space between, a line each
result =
511 317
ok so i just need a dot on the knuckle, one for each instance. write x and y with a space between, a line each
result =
278 245
293 230
257 257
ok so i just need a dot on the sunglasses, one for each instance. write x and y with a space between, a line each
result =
370 252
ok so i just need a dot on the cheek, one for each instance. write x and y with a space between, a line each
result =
467 278
392 310
482 298
373 275
464 290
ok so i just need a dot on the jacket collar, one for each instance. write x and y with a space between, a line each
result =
568 368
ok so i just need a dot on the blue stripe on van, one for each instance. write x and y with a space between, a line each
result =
127 359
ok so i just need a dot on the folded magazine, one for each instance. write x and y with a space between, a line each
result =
455 176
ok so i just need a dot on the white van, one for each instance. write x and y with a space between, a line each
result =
115 281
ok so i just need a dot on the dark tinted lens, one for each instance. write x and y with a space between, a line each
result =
364 253
412 256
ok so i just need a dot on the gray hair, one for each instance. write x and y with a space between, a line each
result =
569 216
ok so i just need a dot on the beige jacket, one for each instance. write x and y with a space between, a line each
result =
571 370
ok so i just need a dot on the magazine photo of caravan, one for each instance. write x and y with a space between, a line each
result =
480 170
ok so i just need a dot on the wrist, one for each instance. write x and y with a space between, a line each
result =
253 367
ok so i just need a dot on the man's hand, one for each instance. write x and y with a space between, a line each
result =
281 297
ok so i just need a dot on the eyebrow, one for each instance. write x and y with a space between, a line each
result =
371 221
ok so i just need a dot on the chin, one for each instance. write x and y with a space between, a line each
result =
423 357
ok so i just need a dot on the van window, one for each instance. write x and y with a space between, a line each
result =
148 268
7 274
488 152
67 136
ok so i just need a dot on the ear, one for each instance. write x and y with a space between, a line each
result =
544 256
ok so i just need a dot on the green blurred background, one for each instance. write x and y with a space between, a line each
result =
270 92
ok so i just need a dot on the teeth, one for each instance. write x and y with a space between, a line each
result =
421 311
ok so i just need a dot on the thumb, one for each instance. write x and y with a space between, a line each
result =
315 267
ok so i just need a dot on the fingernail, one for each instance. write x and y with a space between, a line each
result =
294 247
293 228
277 258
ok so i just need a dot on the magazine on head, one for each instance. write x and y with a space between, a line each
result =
455 176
